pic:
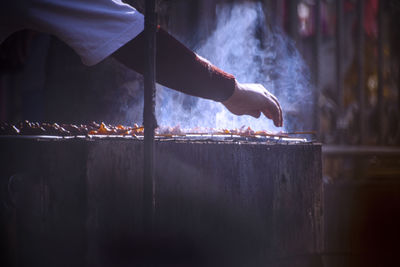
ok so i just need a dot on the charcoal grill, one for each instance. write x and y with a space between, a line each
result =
221 200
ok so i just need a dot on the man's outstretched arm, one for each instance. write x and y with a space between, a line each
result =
181 69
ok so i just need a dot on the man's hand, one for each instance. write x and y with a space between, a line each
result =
252 99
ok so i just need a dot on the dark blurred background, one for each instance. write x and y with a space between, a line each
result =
352 48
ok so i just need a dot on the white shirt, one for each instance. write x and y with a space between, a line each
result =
93 28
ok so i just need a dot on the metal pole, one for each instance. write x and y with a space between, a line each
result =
361 68
339 76
380 72
149 118
317 46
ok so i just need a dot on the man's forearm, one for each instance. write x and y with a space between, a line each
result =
178 67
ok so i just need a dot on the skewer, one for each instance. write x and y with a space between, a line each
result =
121 130
306 132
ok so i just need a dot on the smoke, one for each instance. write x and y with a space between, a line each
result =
246 46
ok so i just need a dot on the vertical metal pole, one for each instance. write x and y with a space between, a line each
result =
149 119
380 72
339 76
317 46
361 68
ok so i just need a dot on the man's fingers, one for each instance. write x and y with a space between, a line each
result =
271 95
273 118
256 114
252 99
280 115
267 114
274 113
279 118
274 110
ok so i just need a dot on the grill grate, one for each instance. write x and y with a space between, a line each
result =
215 138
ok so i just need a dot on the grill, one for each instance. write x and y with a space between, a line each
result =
212 138
218 200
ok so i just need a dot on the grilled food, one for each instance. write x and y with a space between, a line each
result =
94 128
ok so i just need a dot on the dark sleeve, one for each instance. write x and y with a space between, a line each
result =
178 67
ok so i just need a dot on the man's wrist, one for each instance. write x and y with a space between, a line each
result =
234 95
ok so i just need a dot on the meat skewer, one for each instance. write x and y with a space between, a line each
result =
93 129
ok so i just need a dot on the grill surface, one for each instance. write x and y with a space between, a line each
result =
226 138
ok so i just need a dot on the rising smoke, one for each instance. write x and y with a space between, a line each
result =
246 46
